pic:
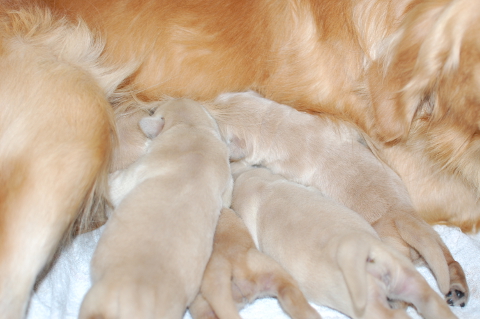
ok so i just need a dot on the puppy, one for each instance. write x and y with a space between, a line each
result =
238 273
331 156
335 255
56 130
153 252
392 67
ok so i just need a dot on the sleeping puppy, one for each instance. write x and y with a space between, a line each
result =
238 273
333 253
330 155
153 252
53 161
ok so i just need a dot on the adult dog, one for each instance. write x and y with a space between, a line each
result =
388 66
55 139
405 71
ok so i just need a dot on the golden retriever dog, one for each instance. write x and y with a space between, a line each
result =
55 140
333 253
404 71
237 273
390 67
151 257
332 156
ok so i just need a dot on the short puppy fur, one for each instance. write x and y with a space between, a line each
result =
333 253
330 155
237 273
153 252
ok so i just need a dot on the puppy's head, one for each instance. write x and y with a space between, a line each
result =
426 87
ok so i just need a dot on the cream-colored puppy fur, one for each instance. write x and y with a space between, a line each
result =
333 252
237 273
330 155
150 260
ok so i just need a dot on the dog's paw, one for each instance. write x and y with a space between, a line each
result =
457 296
459 293
126 297
201 309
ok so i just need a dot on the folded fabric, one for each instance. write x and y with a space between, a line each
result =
60 293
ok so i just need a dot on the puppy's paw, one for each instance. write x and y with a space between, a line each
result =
459 292
126 297
457 296
201 309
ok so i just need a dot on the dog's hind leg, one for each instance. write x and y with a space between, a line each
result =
46 172
55 125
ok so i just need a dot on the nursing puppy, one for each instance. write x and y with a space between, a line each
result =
333 253
331 156
404 71
56 133
153 252
238 273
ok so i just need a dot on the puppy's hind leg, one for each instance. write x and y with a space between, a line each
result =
201 309
238 273
397 279
431 247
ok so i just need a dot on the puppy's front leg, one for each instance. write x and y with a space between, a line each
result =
238 273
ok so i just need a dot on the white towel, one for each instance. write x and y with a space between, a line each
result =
60 294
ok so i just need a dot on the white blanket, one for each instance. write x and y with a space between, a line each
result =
60 294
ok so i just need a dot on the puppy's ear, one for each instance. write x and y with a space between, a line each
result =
352 256
151 126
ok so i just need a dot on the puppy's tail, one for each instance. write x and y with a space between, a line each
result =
430 247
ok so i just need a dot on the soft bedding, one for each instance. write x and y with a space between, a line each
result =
59 294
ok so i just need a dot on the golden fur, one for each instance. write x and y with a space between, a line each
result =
55 140
333 253
405 71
